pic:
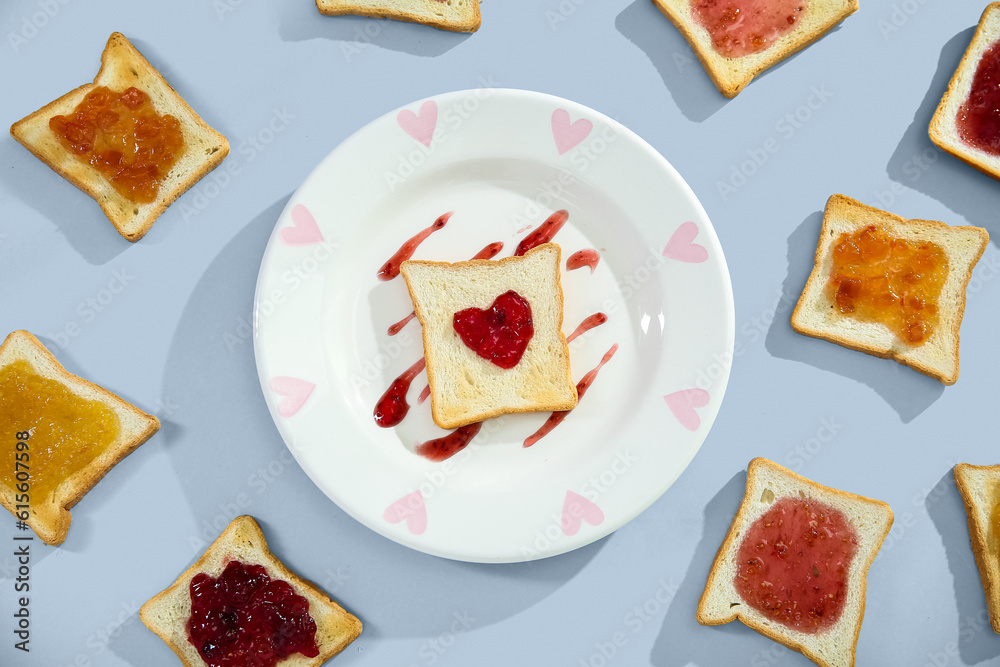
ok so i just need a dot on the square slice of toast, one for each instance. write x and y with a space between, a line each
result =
167 613
980 489
467 388
123 67
722 602
23 412
817 315
454 15
944 130
732 74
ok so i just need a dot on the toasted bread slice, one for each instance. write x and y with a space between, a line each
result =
767 484
167 613
52 490
454 15
980 489
817 315
123 67
467 388
944 130
732 74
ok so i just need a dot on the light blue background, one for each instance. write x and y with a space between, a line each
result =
848 115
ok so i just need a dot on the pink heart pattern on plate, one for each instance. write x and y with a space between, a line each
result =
410 508
577 509
304 230
566 134
681 245
420 125
296 392
683 403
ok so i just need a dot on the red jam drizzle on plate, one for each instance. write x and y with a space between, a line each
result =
595 320
582 258
398 326
978 118
490 251
743 27
544 233
445 447
556 418
794 562
243 617
499 334
390 269
392 407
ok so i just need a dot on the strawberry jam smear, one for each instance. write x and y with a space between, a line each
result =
794 562
243 617
742 27
122 136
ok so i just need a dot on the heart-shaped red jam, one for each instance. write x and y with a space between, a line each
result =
794 563
243 617
499 334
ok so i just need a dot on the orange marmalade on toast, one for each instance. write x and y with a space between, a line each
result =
878 277
122 136
67 432
994 527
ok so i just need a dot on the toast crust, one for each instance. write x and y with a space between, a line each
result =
167 612
980 489
123 66
943 129
469 22
51 520
560 393
720 602
731 75
815 315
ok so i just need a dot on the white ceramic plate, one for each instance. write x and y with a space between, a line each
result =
502 161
